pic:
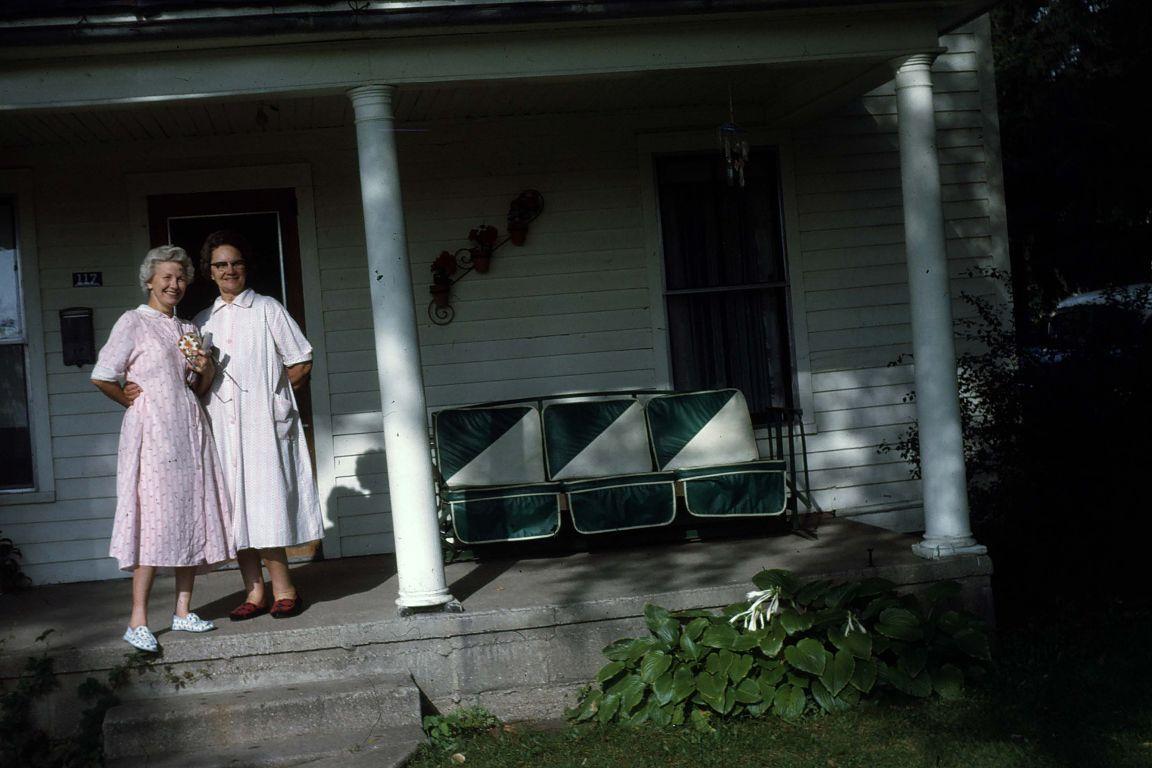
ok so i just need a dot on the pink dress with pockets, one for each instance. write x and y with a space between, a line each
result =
171 506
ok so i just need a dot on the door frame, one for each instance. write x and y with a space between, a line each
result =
280 201
297 176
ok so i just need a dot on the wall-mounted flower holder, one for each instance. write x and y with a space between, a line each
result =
449 268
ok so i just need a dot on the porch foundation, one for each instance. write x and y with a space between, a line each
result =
531 639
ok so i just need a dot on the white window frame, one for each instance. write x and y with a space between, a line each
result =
18 184
651 145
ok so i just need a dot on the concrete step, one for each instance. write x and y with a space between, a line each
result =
252 722
384 748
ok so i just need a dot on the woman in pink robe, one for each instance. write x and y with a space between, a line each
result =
171 507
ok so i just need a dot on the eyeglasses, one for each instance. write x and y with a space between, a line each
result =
238 264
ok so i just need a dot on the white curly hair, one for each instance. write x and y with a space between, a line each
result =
160 255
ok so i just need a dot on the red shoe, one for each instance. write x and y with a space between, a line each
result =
286 608
246 611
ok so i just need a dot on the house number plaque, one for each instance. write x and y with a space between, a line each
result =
87 279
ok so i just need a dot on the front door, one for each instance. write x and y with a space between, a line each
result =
267 218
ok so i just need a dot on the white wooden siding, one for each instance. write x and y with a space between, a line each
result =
567 312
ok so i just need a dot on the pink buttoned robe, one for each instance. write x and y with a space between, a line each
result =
257 426
171 506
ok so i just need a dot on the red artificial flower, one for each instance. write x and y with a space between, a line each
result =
485 235
445 264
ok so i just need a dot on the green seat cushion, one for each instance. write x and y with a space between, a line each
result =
750 489
509 513
622 503
595 438
499 445
701 429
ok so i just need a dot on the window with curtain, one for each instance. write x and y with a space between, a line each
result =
725 277
16 471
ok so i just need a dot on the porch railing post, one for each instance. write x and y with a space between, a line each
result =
947 529
416 530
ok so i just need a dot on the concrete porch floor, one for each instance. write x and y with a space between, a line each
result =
531 625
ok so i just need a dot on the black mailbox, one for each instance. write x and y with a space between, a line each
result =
79 340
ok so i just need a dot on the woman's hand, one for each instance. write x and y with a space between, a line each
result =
132 391
200 361
116 392
298 374
203 364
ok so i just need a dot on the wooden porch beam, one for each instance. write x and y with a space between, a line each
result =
312 68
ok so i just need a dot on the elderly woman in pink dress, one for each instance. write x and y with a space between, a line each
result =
171 508
263 357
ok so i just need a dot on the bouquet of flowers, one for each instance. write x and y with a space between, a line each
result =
190 343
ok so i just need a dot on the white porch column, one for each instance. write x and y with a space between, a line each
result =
943 478
419 561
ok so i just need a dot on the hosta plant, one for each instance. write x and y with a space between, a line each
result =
792 647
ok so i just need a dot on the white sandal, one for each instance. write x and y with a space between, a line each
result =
141 638
191 623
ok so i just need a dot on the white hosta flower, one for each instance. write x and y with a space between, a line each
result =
853 625
764 604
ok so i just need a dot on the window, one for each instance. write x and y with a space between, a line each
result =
725 277
16 468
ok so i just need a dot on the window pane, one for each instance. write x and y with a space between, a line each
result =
11 322
718 237
714 234
15 437
733 339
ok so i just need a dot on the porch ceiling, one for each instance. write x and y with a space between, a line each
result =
762 95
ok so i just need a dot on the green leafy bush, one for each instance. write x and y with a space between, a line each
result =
12 579
21 742
24 743
791 648
447 731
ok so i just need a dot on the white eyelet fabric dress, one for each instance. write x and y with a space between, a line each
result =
256 424
172 509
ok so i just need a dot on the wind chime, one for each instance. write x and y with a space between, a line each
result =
734 141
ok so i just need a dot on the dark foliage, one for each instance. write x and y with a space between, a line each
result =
1057 447
1070 74
12 579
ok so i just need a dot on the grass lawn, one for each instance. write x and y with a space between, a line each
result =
1077 695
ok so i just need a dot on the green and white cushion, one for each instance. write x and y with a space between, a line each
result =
595 438
489 446
701 429
511 513
706 439
599 450
747 489
492 462
622 503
